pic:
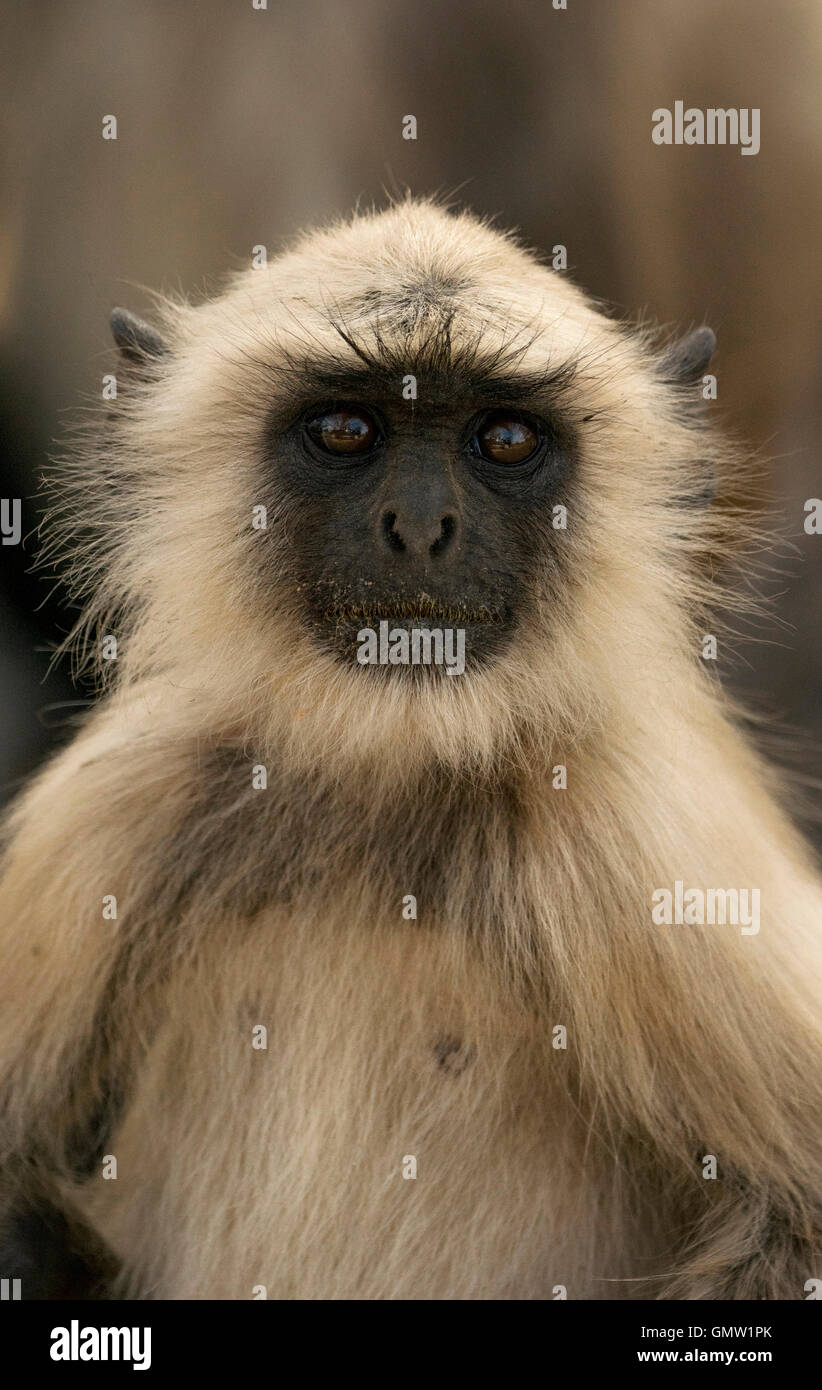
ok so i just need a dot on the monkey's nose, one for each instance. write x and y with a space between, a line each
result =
419 536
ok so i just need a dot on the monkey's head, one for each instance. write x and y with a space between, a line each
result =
403 447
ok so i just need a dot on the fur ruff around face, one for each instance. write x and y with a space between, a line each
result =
554 1066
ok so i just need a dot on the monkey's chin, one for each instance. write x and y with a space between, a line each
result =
391 723
415 650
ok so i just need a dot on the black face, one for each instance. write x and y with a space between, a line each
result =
431 516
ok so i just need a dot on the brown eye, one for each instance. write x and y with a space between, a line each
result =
346 430
505 438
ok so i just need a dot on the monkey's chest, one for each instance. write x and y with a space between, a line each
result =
340 1113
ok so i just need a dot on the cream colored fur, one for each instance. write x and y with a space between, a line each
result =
536 1167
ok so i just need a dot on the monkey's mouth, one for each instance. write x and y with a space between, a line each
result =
419 635
422 609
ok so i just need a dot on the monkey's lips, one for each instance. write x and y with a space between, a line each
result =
420 636
422 611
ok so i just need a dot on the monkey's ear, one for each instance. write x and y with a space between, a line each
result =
136 339
686 360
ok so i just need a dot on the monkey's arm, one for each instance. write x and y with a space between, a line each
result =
745 1082
738 1069
72 935
702 1042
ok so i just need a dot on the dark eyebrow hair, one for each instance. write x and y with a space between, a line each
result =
470 369
340 383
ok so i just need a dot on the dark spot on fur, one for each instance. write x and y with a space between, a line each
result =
453 1057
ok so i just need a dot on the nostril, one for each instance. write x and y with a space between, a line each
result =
393 537
448 527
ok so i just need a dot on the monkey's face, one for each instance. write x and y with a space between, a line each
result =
402 451
430 514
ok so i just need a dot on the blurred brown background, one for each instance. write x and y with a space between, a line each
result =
240 126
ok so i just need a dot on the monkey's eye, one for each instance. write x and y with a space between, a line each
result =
505 437
345 429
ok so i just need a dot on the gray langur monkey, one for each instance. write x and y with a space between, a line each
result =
343 975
